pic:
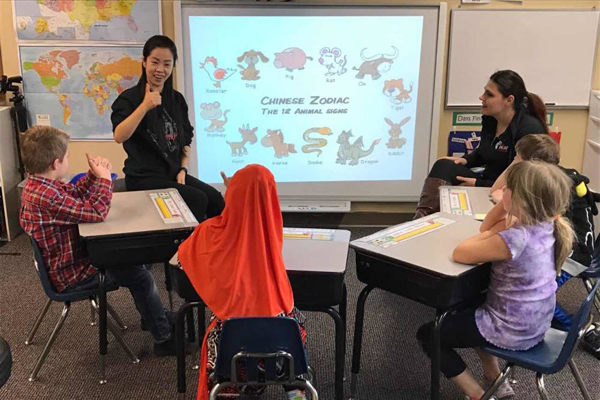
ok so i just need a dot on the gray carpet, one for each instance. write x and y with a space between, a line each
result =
393 367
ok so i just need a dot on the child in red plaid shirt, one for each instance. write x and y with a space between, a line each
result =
50 212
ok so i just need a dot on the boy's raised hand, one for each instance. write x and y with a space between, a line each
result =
95 163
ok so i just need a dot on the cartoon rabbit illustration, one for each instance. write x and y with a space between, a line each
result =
395 141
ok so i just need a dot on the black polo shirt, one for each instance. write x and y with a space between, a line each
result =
154 149
496 153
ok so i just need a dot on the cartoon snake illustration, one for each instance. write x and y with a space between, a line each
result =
317 142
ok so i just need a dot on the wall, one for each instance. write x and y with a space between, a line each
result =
573 123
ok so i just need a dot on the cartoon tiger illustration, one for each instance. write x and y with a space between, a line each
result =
394 89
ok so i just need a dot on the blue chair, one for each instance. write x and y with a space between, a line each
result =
77 177
551 355
67 299
267 350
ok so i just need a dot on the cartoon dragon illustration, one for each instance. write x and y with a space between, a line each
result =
316 142
352 152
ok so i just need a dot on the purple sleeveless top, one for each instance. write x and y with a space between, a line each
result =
521 298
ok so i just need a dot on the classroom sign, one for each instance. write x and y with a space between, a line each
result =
474 118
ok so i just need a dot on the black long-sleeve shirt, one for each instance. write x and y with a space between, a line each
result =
496 153
154 149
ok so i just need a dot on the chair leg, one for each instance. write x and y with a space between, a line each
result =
308 387
512 379
497 382
541 387
313 375
44 355
92 316
589 284
214 393
38 321
580 382
116 317
115 331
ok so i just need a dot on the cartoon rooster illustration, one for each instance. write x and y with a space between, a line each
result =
217 75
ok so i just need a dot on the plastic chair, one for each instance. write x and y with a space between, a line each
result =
551 355
67 299
266 350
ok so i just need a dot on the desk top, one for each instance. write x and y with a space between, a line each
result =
477 198
135 212
313 255
429 251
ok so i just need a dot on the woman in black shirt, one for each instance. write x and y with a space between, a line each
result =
509 113
151 120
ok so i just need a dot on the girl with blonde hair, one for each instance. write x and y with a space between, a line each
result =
527 240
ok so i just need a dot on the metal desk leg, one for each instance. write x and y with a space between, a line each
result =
201 334
169 285
102 323
180 345
358 332
435 357
344 303
340 351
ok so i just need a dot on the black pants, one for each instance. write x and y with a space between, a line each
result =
203 200
458 331
448 171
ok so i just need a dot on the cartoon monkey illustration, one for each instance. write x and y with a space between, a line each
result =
212 112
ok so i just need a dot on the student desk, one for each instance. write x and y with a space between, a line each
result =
316 270
132 234
478 199
419 269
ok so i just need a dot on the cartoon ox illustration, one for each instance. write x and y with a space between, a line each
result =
291 58
376 65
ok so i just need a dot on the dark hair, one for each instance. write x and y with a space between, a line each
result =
540 147
169 101
511 84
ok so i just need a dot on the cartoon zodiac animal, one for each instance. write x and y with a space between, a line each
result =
291 58
394 89
217 75
248 135
212 112
352 152
316 142
395 141
376 65
334 62
275 139
251 58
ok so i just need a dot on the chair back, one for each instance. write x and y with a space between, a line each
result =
579 322
43 271
260 350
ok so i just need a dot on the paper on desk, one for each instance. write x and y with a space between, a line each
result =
171 207
401 233
308 234
455 201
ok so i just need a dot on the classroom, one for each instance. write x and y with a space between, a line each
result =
300 199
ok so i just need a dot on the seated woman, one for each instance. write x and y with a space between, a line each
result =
151 121
509 113
235 263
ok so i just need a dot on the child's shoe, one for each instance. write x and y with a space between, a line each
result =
474 398
168 348
504 390
296 394
591 341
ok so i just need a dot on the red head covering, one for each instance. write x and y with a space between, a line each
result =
235 261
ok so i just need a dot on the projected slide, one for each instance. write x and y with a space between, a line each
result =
313 98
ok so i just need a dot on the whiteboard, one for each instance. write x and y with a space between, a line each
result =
554 52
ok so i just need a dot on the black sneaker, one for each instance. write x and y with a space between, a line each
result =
168 348
591 342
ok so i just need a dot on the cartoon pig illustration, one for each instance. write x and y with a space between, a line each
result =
291 58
